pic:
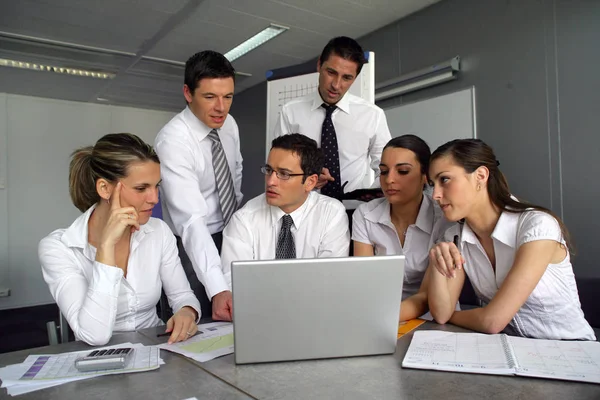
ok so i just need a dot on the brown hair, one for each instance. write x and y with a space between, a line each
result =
108 159
474 153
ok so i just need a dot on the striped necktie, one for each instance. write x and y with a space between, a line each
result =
222 178
285 242
329 146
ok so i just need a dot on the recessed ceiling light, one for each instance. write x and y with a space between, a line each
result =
260 38
60 70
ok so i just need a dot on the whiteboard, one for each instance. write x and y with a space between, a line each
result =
437 120
281 91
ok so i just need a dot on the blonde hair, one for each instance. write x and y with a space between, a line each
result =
108 159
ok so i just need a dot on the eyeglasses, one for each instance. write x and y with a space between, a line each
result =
283 175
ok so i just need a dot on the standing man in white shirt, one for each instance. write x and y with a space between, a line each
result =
289 220
201 167
351 131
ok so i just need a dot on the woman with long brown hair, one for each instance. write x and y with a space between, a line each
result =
515 254
107 269
406 221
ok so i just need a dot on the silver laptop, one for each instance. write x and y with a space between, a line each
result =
316 308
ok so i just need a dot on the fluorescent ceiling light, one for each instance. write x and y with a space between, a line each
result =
255 41
60 70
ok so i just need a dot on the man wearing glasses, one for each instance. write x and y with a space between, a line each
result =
289 220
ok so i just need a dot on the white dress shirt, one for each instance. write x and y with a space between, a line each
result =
361 129
96 298
552 310
320 230
189 192
372 225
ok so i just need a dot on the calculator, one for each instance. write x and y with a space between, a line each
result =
99 360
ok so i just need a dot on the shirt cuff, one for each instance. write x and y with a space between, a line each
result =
228 280
106 279
196 307
215 283
198 312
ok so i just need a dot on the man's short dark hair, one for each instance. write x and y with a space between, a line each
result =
311 156
206 64
344 47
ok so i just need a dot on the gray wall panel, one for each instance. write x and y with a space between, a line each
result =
578 49
502 45
387 52
250 112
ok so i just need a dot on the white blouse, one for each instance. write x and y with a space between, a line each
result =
552 310
96 298
372 224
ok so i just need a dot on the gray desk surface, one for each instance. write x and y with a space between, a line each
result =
177 379
382 377
378 377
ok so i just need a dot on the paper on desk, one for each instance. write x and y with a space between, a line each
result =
32 387
216 340
62 366
11 373
42 371
15 388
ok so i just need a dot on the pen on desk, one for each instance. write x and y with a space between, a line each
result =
169 334
456 244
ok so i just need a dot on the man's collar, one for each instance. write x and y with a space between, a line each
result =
297 215
197 126
343 104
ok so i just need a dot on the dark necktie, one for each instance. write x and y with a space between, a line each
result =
329 146
285 242
222 178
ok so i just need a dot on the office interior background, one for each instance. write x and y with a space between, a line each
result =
533 63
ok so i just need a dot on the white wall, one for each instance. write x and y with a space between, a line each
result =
40 135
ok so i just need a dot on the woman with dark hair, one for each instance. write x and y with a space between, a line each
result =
107 269
515 254
406 221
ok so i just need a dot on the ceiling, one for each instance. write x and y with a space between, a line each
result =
146 42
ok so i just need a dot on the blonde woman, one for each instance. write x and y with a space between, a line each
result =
107 269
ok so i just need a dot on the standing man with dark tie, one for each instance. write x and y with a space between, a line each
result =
351 131
201 168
